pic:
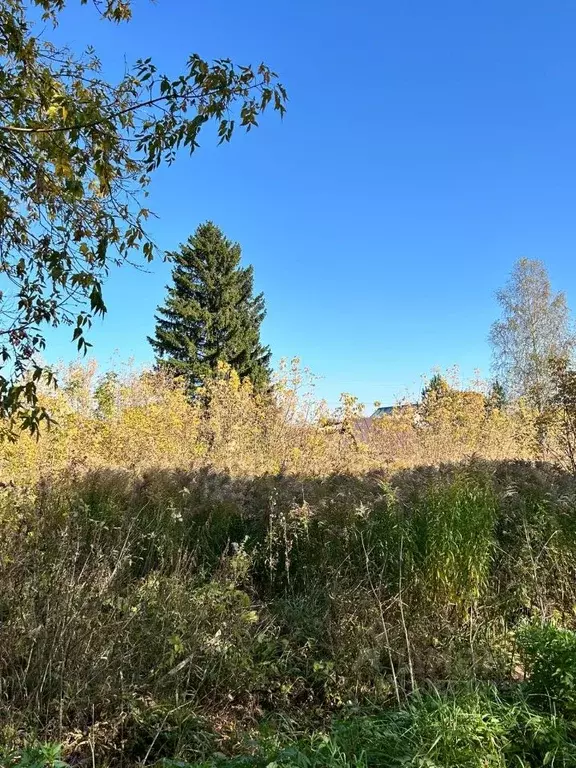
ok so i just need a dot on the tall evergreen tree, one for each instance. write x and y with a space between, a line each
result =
211 314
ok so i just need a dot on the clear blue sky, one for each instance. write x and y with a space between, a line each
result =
427 145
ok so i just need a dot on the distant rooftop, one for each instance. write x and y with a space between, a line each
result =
385 410
388 410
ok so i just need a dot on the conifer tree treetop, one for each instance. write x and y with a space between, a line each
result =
211 315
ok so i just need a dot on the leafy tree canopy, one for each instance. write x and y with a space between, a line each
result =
76 156
535 326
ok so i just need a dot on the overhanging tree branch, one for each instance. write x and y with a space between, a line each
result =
76 153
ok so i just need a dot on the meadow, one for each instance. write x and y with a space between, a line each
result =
252 581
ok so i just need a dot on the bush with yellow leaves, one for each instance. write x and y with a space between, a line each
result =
142 419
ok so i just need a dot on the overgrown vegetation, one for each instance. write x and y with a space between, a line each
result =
131 420
234 580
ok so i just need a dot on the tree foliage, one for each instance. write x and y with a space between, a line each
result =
76 155
435 388
557 422
534 327
211 315
496 395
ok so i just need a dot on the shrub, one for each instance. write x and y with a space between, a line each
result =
37 756
549 655
141 420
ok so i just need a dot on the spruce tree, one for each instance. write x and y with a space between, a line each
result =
210 314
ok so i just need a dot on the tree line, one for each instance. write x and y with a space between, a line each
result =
211 315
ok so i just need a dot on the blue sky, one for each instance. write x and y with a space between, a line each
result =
426 147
